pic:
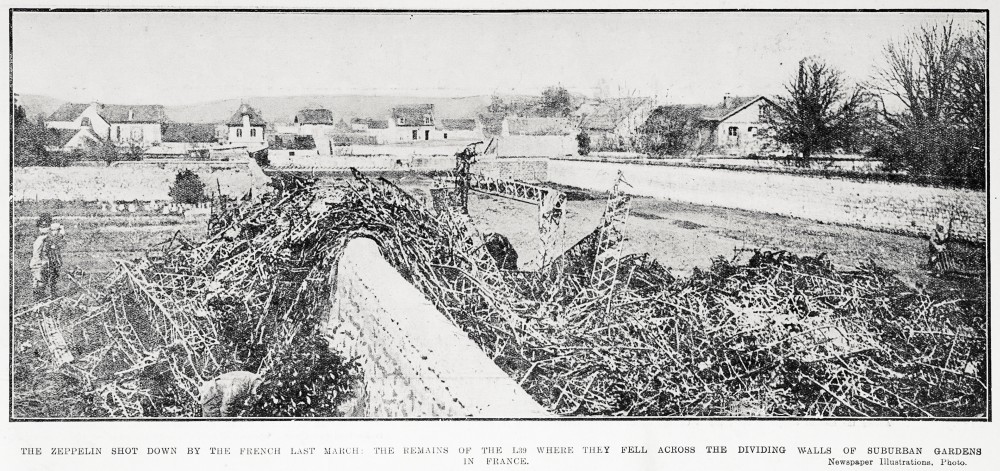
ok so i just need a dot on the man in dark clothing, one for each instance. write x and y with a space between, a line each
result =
46 258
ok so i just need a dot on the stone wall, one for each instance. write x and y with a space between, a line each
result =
147 180
414 361
890 207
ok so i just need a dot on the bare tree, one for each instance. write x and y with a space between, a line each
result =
919 73
933 103
819 111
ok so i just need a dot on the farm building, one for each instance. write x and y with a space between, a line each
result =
185 140
465 128
246 127
737 126
131 124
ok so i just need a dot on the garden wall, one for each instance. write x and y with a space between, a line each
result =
414 361
890 207
148 180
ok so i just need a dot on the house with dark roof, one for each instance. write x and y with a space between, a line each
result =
411 122
246 127
122 124
738 127
450 129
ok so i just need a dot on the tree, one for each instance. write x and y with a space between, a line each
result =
583 142
674 130
29 143
933 103
556 103
187 188
819 111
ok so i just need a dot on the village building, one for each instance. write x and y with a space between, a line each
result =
411 122
738 126
185 140
457 129
613 124
377 128
246 128
313 121
72 140
122 124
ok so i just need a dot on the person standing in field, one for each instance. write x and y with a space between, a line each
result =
46 258
938 257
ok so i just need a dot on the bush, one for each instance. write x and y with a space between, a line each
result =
583 142
187 188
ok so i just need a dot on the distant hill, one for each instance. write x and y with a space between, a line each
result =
35 105
283 109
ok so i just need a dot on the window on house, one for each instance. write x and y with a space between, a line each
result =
399 121
239 133
446 135
763 111
427 135
751 129
414 134
427 120
118 133
734 131
85 122
291 153
253 132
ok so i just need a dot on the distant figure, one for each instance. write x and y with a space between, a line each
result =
502 251
225 395
938 257
46 258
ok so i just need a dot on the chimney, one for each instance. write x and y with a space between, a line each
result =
727 100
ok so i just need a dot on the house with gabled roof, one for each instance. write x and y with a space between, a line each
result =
411 122
71 140
246 127
738 126
122 124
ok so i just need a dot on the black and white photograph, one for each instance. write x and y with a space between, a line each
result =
351 215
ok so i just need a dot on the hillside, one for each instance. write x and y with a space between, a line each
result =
283 109
35 105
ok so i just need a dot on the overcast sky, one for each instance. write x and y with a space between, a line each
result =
180 58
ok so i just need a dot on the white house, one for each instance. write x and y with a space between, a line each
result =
314 121
738 126
122 124
411 122
246 127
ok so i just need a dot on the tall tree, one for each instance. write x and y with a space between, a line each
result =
933 103
819 111
556 103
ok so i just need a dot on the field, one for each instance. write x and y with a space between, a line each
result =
94 239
